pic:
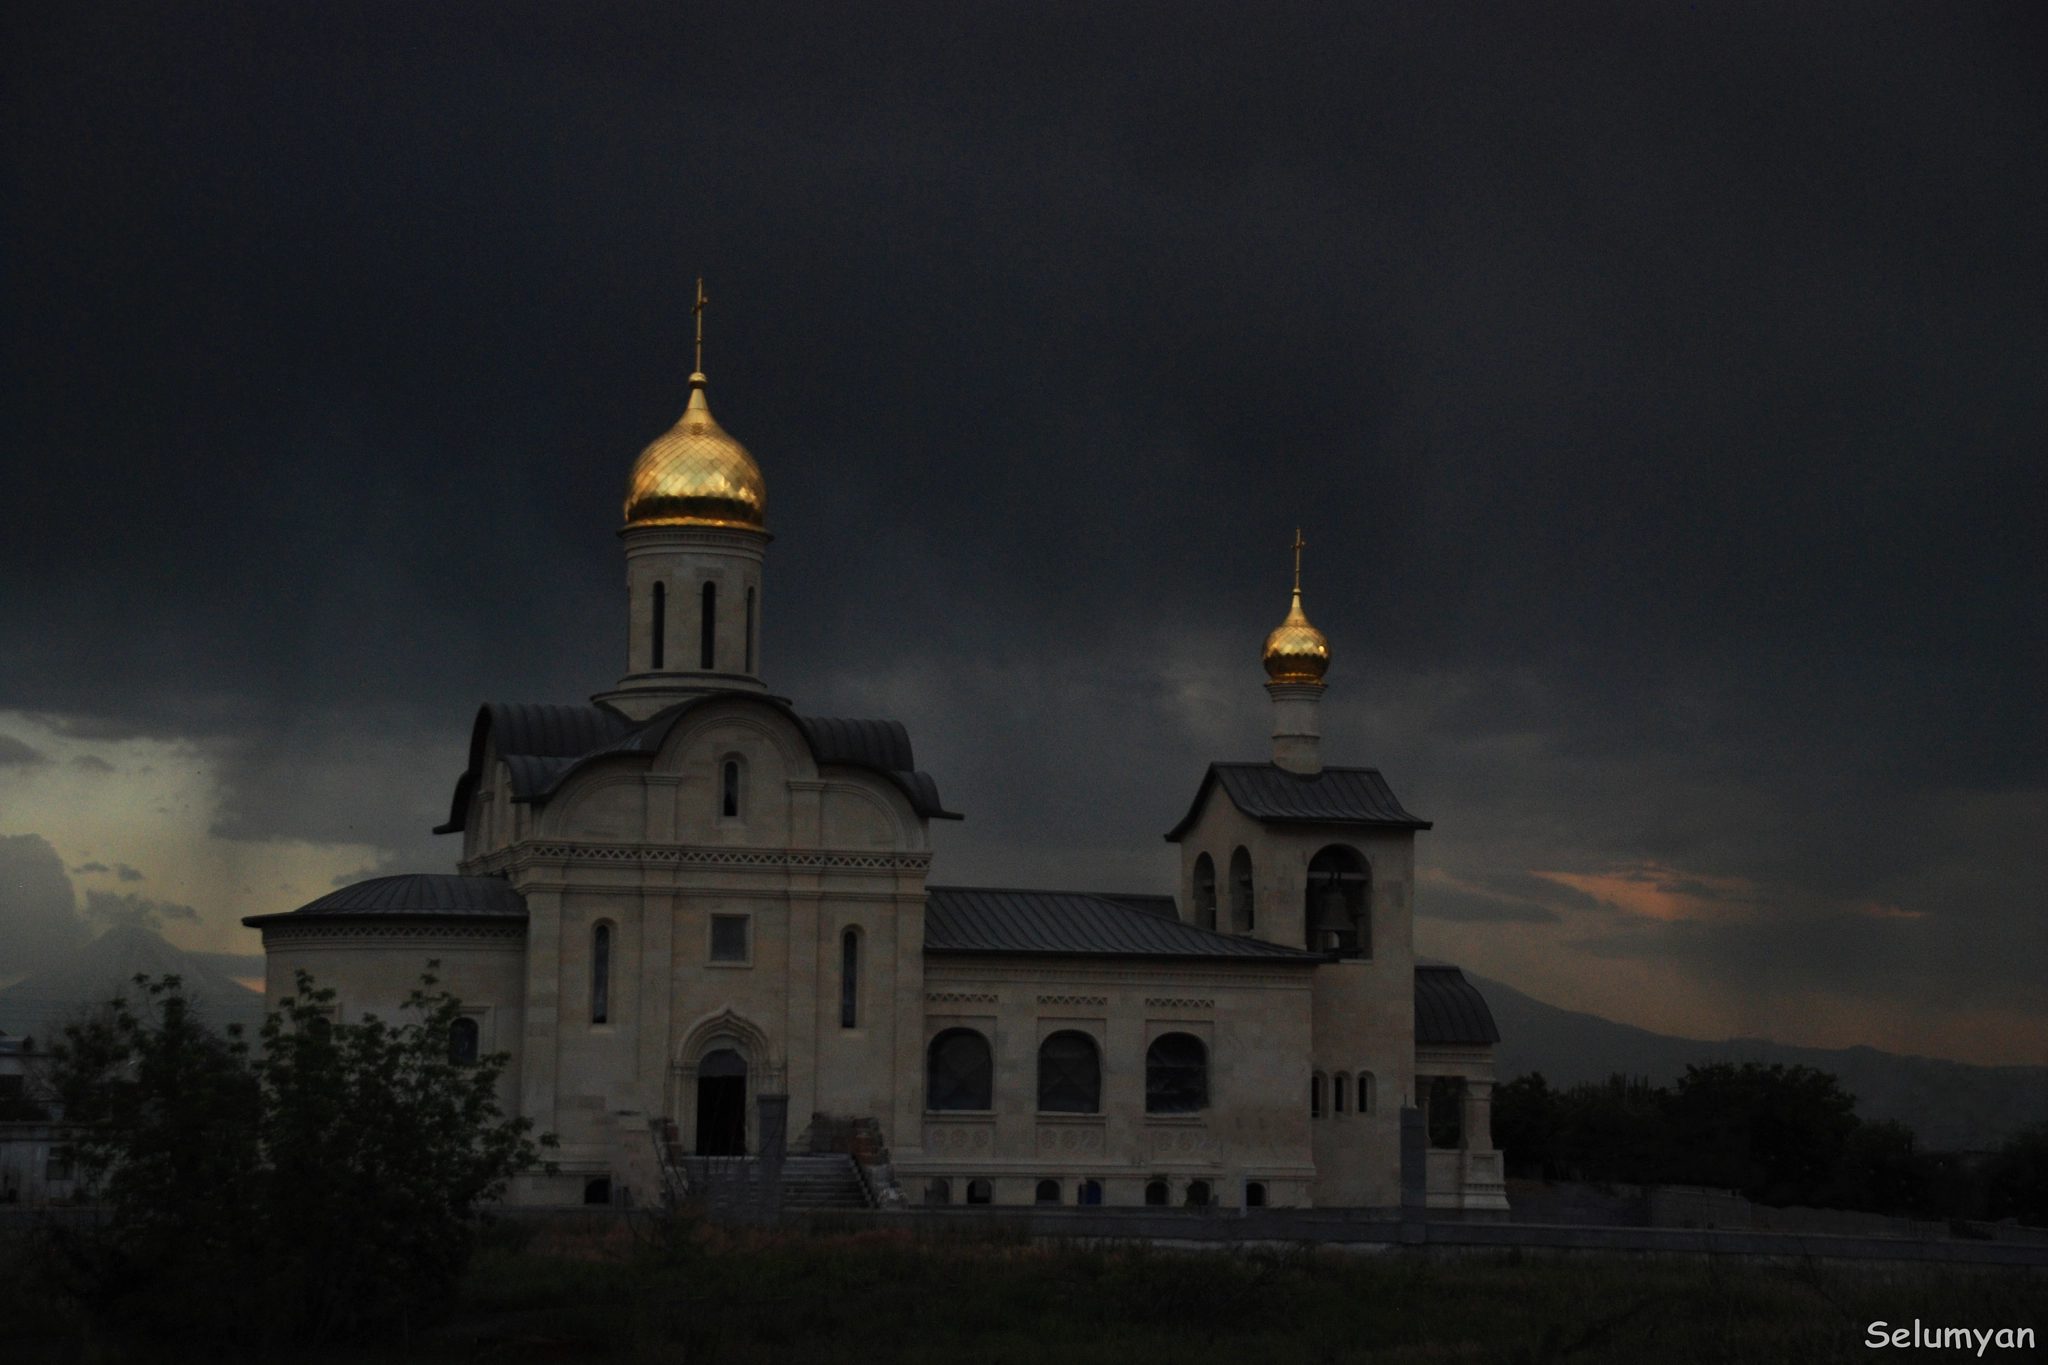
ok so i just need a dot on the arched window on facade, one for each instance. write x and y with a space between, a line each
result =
1156 1193
729 789
1090 1192
750 630
1242 912
1366 1101
707 626
597 1190
1205 892
463 1041
1339 909
980 1192
660 622
1176 1075
959 1072
849 979
1069 1074
1340 1093
601 974
1255 1195
1048 1192
939 1192
1198 1194
1315 1095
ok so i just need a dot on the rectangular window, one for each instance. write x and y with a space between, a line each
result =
728 938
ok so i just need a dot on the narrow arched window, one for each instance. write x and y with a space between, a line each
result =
1365 1095
1205 892
849 978
959 1071
660 623
1155 1193
601 974
463 1042
1255 1195
1315 1096
1048 1192
1176 1075
1340 1098
707 647
1069 1074
1242 913
980 1192
729 790
750 630
1090 1192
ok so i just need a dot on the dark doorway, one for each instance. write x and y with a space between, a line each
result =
722 1104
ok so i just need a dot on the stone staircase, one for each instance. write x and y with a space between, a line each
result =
808 1182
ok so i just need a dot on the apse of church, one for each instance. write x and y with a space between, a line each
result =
685 908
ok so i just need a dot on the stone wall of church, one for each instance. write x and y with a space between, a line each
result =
1253 1021
372 968
725 934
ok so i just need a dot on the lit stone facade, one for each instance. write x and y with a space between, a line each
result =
684 896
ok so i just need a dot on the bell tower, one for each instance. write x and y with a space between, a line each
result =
696 537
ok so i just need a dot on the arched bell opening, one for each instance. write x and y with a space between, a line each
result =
1339 909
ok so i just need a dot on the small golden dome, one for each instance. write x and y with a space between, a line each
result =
696 475
1297 651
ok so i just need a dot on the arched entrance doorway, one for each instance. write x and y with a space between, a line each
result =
722 1104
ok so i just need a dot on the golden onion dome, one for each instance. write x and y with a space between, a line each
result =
1297 651
696 475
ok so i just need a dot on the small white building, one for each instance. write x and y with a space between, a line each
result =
684 894
34 1167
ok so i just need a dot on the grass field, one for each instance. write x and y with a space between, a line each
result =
707 1294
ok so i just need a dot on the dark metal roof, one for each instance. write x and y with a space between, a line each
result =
883 745
1334 796
543 745
421 895
1450 1009
979 920
1166 907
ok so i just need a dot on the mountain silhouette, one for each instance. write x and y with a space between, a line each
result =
1951 1106
40 1004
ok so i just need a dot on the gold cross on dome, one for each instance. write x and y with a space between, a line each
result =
698 309
1298 544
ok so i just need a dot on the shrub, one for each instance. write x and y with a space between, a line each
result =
327 1186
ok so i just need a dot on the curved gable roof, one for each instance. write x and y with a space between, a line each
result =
1450 1009
543 745
1334 796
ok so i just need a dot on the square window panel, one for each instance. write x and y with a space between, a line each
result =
728 938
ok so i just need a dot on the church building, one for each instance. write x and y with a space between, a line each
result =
684 905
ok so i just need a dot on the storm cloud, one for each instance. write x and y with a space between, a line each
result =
1659 390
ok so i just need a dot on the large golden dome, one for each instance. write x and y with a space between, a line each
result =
696 475
1297 651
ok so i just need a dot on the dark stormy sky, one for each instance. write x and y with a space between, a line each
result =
1660 388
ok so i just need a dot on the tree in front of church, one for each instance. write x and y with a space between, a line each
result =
325 1185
